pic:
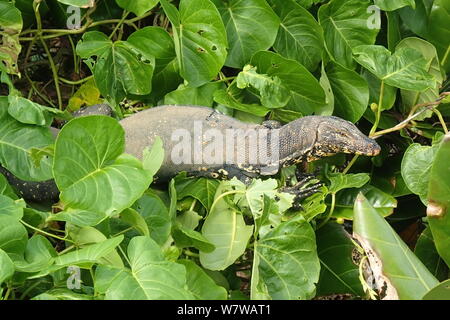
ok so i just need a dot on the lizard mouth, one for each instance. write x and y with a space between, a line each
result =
371 149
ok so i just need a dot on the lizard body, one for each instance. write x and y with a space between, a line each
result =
204 142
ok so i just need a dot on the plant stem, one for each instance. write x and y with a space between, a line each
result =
44 232
189 253
379 108
77 82
124 16
441 120
330 213
224 195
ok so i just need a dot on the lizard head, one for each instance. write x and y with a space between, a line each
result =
335 135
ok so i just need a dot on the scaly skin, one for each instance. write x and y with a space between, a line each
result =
305 139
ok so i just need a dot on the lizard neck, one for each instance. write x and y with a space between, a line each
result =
297 140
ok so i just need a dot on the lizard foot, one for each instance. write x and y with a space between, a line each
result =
303 188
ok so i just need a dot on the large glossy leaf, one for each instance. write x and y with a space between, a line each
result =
251 26
156 215
200 39
13 235
6 189
150 278
389 92
10 28
89 254
405 69
438 31
425 250
6 267
440 292
271 91
225 228
346 25
307 94
288 262
300 37
159 43
416 167
392 262
90 169
62 294
389 5
382 202
351 93
202 189
339 274
121 67
85 236
138 7
411 98
10 207
16 140
200 284
232 98
197 96
439 200
39 255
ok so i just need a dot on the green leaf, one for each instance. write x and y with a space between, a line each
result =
351 94
200 39
29 112
339 181
78 3
90 169
6 189
339 274
134 219
150 277
389 93
225 228
62 294
159 43
411 98
426 251
389 5
200 284
439 199
251 26
185 237
138 7
273 94
198 96
122 68
10 207
87 95
16 140
6 267
438 31
85 236
153 159
288 261
89 254
231 98
93 43
328 108
300 37
307 94
382 202
156 215
392 262
405 69
10 28
346 25
202 189
440 292
416 167
13 235
39 255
